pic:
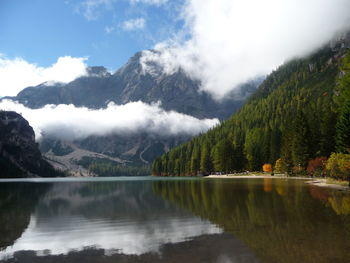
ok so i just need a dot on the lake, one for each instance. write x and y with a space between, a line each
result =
147 219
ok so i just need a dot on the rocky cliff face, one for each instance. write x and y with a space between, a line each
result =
19 154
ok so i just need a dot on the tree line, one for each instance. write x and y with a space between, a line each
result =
103 167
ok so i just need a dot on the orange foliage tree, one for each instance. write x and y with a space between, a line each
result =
267 168
317 166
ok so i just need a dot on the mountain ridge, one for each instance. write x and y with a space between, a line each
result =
131 83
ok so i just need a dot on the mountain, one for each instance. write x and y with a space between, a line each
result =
19 154
132 82
300 112
177 92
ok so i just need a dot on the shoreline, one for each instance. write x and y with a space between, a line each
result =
320 182
279 176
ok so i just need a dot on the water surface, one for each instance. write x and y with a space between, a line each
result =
148 219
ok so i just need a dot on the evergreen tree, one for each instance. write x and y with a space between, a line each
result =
327 133
253 149
275 145
238 158
300 142
157 167
195 158
343 129
223 156
205 162
286 151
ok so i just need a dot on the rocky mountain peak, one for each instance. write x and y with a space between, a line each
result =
98 71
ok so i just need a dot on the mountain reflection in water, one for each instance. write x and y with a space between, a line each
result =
172 220
116 219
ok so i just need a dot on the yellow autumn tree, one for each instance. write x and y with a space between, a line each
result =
280 166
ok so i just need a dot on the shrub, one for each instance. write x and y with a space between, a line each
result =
299 170
338 166
316 167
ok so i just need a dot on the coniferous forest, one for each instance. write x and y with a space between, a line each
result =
298 121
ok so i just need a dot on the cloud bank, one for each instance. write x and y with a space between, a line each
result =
17 74
69 122
232 41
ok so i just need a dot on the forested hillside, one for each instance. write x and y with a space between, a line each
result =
299 113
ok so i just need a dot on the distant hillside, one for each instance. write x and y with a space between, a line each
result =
298 113
19 154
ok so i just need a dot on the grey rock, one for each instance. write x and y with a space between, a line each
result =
19 153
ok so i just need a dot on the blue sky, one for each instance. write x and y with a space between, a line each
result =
40 31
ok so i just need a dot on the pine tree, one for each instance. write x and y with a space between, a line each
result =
195 158
327 133
238 158
343 129
253 149
300 142
157 167
223 156
205 162
286 150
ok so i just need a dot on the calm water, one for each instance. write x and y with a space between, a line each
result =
172 220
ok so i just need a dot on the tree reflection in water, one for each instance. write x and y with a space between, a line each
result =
280 220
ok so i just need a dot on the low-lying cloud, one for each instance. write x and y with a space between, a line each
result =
17 74
68 122
228 42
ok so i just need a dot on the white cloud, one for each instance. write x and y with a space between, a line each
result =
17 74
232 41
133 24
69 122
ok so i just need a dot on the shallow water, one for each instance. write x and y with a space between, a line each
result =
146 219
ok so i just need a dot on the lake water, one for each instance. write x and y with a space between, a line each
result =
146 219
